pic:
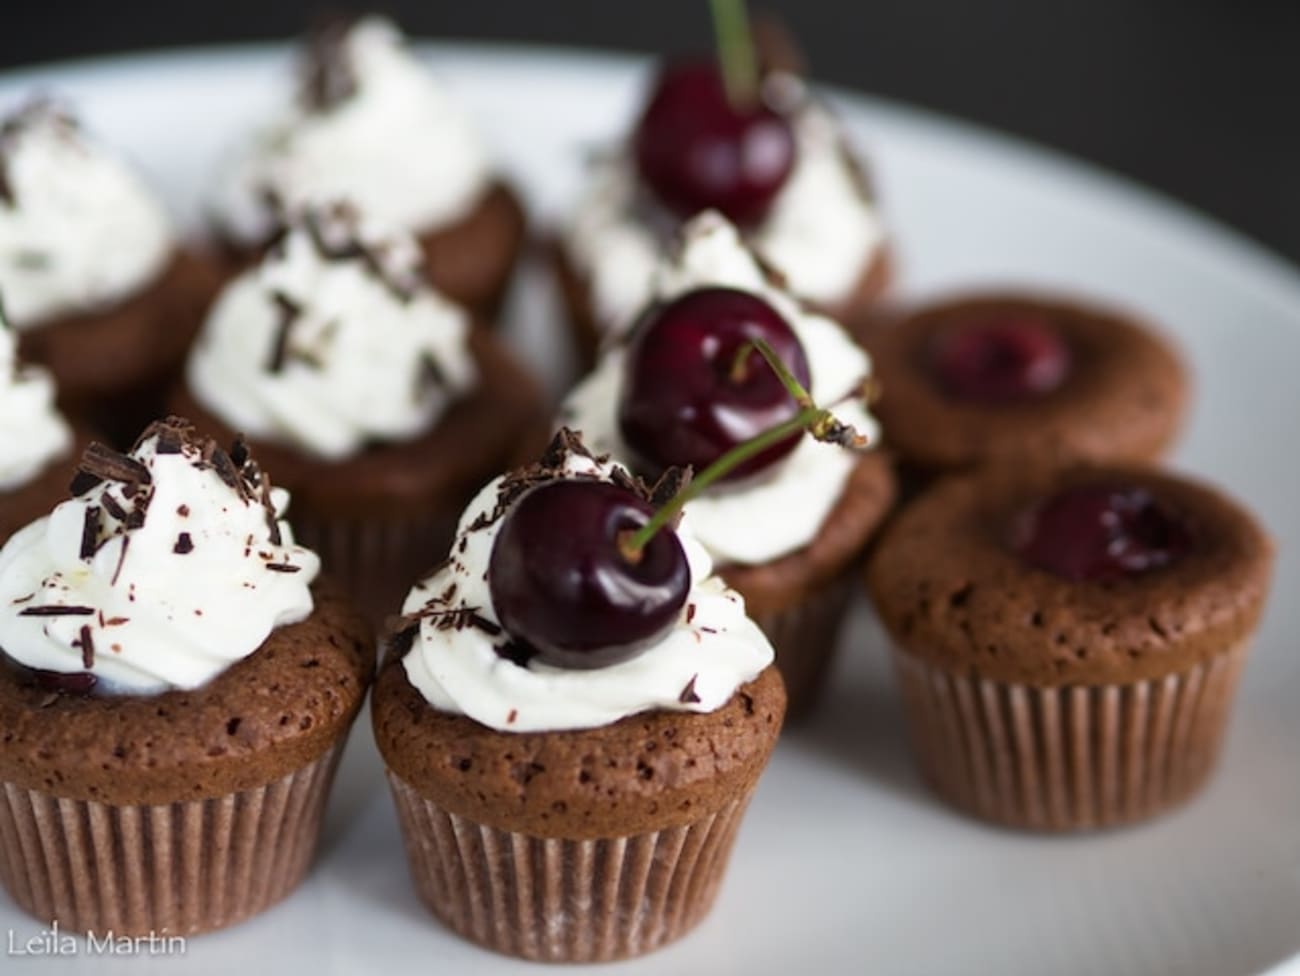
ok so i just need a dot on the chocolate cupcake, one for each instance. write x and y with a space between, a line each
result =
572 734
176 690
37 446
372 126
786 529
94 281
780 167
1068 642
1010 377
381 410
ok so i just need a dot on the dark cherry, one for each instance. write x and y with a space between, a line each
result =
685 403
1000 359
561 584
695 150
1102 532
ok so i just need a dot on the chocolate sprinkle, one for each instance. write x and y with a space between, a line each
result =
87 644
90 532
184 544
688 695
54 610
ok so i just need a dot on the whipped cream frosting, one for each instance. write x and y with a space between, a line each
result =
165 567
371 126
782 509
79 231
821 232
334 342
460 660
32 432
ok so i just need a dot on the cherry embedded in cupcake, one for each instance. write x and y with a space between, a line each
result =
564 582
1099 532
693 392
1000 359
698 147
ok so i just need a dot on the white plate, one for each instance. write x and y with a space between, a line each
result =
845 864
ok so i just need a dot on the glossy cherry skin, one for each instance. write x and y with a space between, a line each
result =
696 151
1000 359
685 403
562 586
1099 532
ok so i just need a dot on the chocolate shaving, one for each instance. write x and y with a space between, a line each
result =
55 610
289 311
184 544
690 612
670 484
110 465
283 568
430 377
335 232
403 636
328 78
90 532
113 507
83 482
688 695
87 645
121 560
169 441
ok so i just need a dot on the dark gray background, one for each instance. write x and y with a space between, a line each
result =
1194 97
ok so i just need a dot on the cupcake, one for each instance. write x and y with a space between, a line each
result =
1010 377
572 735
176 689
785 530
368 393
94 281
1068 642
370 125
780 166
37 445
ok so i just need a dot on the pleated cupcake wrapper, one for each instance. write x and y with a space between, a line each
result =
173 869
376 559
556 900
804 637
1072 757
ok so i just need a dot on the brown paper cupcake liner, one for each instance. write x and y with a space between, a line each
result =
804 638
558 900
174 869
376 559
1072 757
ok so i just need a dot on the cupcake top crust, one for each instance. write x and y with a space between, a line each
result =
334 342
461 659
956 580
1001 376
783 508
822 229
79 231
32 432
369 125
166 566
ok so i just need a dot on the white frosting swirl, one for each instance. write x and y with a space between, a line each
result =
79 231
821 231
782 510
334 342
169 600
396 145
710 651
32 432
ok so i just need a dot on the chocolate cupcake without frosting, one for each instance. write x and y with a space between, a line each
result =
176 689
95 283
787 531
571 759
1012 377
780 167
1068 642
371 125
380 408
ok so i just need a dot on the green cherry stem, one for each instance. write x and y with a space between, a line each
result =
821 423
736 51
